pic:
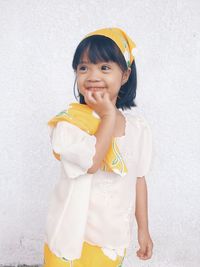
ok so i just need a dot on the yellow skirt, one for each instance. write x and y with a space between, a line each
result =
92 256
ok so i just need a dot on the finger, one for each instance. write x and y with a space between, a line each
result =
90 97
146 255
95 95
102 94
139 253
106 96
149 252
142 256
98 95
143 250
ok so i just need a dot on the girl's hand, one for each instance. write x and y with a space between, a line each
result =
99 102
146 245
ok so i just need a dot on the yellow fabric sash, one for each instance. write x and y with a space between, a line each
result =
88 120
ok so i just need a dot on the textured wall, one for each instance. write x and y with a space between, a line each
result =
38 39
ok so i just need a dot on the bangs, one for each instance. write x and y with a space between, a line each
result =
98 48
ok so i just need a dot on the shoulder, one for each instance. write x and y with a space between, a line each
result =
67 127
65 130
137 120
61 126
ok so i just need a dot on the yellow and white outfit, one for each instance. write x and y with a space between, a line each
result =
106 221
90 215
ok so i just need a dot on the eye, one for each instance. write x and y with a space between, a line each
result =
105 67
82 68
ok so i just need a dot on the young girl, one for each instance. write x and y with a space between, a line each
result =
105 154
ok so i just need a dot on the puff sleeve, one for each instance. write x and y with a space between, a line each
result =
75 147
145 150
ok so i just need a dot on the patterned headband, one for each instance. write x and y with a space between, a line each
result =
123 41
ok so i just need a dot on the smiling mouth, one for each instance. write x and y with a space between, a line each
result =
94 88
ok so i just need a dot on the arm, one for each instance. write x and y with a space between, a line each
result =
104 136
141 211
85 155
100 102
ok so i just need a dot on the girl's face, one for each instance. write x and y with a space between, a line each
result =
103 76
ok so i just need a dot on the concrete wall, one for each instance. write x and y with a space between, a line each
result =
38 39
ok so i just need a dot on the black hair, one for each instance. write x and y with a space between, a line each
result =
101 48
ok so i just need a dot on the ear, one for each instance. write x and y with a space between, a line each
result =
126 75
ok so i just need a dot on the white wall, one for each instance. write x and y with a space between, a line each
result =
38 39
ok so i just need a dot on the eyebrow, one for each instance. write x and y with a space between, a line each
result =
84 62
89 62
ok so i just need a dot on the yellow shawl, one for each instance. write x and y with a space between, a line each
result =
88 120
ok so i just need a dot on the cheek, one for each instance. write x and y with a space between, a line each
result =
79 81
115 83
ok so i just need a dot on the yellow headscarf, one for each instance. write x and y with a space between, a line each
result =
123 41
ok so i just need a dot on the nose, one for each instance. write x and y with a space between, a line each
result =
93 79
93 76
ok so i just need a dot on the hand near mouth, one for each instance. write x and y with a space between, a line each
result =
100 102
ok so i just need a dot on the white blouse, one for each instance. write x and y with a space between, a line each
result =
97 208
